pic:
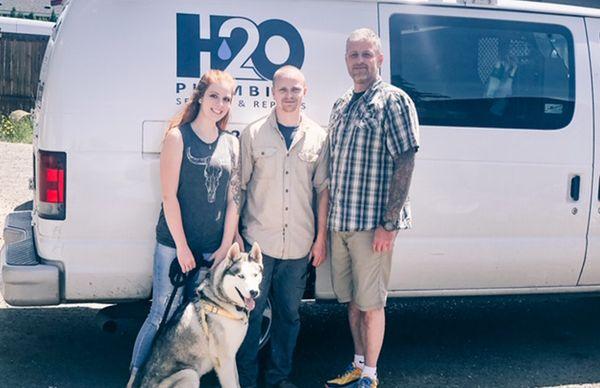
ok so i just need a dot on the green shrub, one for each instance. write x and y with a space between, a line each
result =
16 132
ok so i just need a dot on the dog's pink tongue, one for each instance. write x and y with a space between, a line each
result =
250 303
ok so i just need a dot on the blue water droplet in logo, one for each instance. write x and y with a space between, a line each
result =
224 52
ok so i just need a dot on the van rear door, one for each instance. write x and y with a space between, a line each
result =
591 270
501 191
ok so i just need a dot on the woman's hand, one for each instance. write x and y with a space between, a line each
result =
219 255
186 259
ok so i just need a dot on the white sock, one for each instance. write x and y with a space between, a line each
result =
132 377
359 361
370 371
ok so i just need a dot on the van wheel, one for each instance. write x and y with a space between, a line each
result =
265 328
25 206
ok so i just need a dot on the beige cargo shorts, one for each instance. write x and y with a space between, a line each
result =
358 273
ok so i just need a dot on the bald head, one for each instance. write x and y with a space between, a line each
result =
288 71
289 88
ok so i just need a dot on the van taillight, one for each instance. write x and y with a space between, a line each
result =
51 189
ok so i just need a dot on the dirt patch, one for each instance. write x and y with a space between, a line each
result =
16 167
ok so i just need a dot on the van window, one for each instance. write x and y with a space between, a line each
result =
484 73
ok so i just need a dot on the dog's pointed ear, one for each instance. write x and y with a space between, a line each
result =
234 252
255 254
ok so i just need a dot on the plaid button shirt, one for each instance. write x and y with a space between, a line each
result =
364 140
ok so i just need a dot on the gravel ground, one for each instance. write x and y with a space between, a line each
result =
16 167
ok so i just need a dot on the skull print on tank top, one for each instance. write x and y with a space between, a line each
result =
202 191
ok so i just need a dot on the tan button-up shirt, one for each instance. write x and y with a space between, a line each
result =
279 185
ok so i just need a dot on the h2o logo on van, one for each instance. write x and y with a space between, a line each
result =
237 45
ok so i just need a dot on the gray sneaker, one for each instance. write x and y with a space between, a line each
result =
367 382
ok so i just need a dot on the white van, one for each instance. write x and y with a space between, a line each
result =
506 192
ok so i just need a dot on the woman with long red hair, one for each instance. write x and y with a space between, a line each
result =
200 182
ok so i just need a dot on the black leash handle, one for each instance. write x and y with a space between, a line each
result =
176 276
178 279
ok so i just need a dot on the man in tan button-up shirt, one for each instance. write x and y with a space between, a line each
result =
284 159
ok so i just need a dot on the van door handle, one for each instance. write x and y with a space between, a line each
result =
575 187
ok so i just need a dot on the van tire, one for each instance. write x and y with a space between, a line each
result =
25 206
265 325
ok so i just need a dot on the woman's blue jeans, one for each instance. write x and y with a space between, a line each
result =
161 292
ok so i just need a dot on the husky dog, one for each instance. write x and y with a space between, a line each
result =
210 329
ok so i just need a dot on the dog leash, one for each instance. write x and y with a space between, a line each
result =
178 278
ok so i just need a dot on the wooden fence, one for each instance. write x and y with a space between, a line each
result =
20 62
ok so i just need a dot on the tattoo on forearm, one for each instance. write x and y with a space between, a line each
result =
235 185
403 169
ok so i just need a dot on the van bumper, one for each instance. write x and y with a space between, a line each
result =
26 281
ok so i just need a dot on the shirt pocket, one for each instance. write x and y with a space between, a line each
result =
265 163
306 165
369 121
308 156
370 128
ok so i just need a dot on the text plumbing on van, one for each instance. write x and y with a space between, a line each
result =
246 95
250 52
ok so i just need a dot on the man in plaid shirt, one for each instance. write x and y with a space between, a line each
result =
374 135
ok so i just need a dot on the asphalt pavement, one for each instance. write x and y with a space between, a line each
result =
457 342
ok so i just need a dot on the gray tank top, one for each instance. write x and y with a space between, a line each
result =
202 192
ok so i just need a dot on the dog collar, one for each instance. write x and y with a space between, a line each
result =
213 309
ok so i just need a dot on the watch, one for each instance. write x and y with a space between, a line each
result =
389 226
